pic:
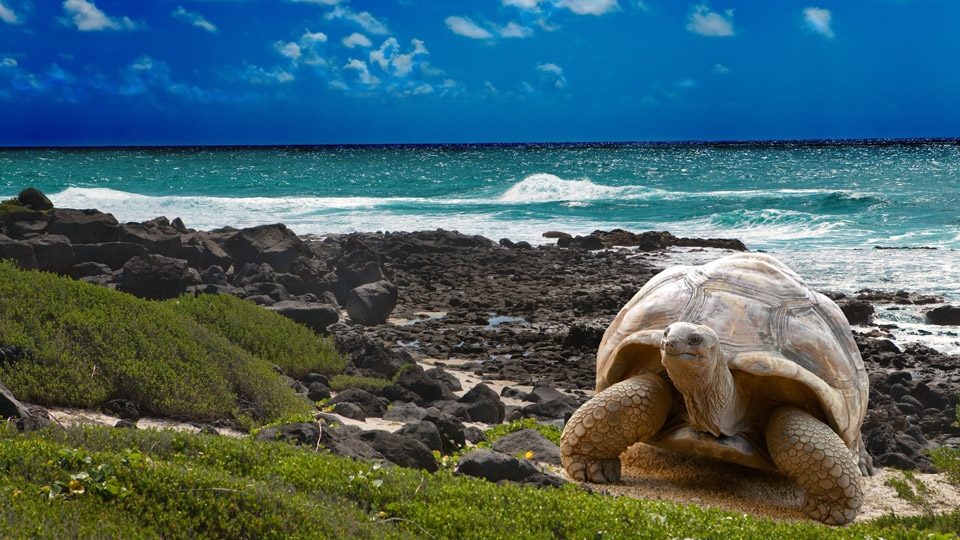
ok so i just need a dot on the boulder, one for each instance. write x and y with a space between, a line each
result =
554 408
273 290
425 432
358 264
156 277
10 407
946 315
399 449
124 408
272 244
451 430
54 253
372 303
483 404
406 413
350 410
529 440
368 402
367 353
157 236
314 316
299 433
317 391
117 254
413 378
446 379
84 226
251 273
494 466
34 199
20 253
858 312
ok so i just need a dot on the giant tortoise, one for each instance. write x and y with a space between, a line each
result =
739 360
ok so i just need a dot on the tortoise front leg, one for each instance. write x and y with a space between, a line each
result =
816 458
627 412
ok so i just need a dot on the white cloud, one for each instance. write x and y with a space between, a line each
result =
818 20
87 17
324 2
7 15
388 56
465 27
195 19
721 69
364 19
553 75
588 7
291 50
514 30
355 39
529 5
305 50
313 38
686 83
490 88
8 62
580 7
363 74
258 75
708 23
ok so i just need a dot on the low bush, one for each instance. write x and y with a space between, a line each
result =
296 349
90 345
342 382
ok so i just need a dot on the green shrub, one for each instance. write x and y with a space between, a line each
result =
342 382
13 206
91 345
551 432
296 349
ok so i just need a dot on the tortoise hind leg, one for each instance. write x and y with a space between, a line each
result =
600 430
815 457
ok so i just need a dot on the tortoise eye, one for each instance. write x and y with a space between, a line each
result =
695 339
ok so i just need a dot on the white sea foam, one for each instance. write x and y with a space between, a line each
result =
543 187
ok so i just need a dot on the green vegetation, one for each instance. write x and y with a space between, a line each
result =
342 382
180 485
550 432
296 349
12 206
91 345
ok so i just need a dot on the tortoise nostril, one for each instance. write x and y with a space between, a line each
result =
695 339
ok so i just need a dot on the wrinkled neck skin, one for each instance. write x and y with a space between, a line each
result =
714 401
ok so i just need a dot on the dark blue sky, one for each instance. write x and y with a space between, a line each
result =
85 72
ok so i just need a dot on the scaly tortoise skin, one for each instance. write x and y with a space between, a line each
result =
739 360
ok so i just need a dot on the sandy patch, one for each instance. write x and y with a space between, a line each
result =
69 417
651 473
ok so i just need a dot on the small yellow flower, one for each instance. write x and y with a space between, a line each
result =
76 487
17 493
528 455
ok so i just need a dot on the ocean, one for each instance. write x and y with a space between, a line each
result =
823 207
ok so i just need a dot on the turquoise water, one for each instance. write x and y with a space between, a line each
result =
822 207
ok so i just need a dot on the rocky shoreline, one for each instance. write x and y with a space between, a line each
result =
500 310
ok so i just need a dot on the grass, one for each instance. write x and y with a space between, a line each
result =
91 345
180 485
294 348
13 206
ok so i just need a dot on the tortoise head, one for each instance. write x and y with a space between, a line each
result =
691 353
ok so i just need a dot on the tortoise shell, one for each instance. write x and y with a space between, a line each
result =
782 341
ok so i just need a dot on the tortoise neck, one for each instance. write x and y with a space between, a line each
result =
714 401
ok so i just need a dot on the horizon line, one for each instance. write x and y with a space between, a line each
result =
688 142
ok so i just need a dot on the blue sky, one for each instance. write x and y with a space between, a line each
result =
93 72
